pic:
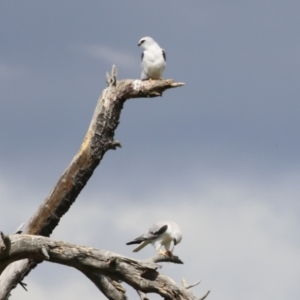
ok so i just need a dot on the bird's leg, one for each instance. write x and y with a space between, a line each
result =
159 78
172 248
170 252
165 253
161 252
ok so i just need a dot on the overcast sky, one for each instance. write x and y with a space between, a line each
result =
220 156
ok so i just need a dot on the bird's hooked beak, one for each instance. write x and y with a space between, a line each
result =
175 243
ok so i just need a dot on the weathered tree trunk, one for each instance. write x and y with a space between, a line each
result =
99 139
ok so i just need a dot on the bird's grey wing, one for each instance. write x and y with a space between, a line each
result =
145 237
164 55
153 233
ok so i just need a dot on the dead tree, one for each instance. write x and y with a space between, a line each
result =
20 253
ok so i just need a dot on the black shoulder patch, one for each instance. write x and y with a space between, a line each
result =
164 55
142 55
161 230
141 42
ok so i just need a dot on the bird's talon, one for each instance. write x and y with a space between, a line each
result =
166 253
161 252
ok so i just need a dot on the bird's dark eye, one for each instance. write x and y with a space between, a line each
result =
141 42
175 242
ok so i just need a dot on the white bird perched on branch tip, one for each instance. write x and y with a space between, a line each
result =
162 233
153 59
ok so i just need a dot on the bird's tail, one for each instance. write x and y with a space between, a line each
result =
141 246
133 242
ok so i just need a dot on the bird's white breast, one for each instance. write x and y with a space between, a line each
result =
153 63
163 240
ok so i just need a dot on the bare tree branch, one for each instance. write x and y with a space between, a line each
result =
19 230
99 139
188 286
142 295
110 288
202 298
104 268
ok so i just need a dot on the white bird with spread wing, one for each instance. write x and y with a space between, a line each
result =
162 233
153 59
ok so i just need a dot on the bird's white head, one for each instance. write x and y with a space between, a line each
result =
146 42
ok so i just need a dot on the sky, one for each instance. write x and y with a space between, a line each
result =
219 156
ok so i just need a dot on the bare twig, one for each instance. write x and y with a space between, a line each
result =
19 231
110 288
188 286
205 295
45 253
23 285
142 295
5 245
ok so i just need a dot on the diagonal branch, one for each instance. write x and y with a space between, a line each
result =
98 140
109 287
